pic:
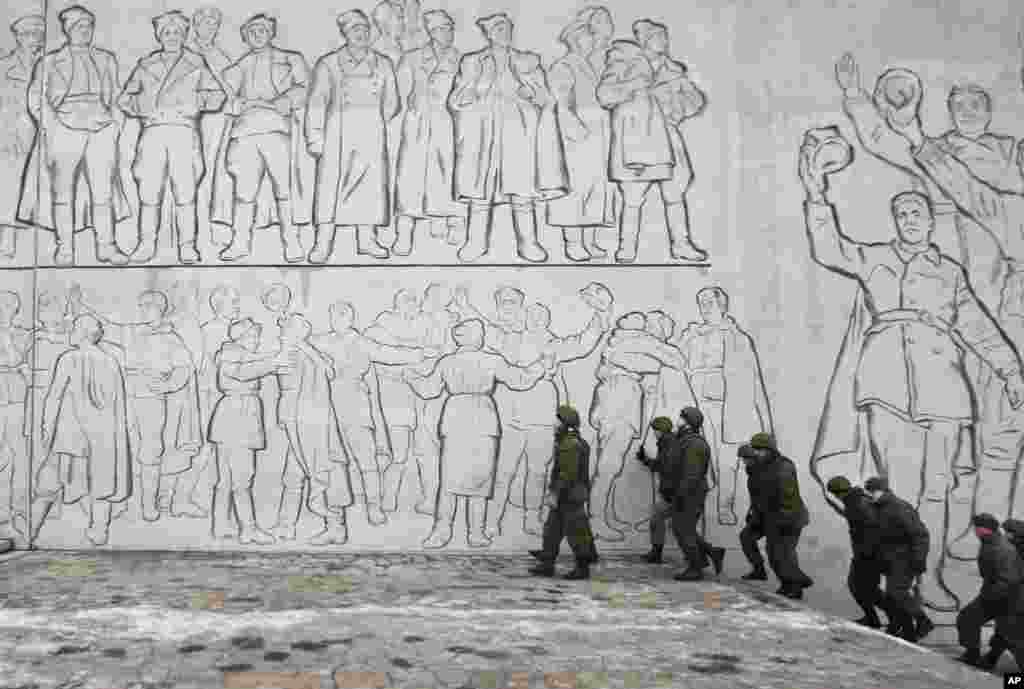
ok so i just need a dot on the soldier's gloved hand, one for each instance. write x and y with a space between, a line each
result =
641 456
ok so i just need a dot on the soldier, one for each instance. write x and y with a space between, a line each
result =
1001 573
352 99
507 142
15 72
267 91
592 201
569 490
865 568
84 424
904 541
71 98
679 99
167 92
237 430
680 492
777 513
423 190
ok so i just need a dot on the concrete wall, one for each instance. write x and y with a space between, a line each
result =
767 70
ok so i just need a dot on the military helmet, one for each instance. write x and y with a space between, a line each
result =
876 483
692 416
838 484
762 441
662 424
568 415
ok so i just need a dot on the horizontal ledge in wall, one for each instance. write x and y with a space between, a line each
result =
399 266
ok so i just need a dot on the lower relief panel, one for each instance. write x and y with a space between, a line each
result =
344 408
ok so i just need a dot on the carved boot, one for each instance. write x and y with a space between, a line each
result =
682 247
293 251
241 241
64 221
188 233
149 225
106 246
574 248
403 236
478 234
367 244
629 235
524 222
323 247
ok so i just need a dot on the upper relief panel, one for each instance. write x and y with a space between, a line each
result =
394 134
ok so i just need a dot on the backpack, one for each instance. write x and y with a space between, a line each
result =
1014 529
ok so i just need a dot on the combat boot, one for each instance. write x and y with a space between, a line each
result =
545 569
581 571
972 656
717 557
792 592
925 626
691 574
756 574
654 557
870 620
991 659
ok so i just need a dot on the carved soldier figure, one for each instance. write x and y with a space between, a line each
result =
353 97
423 190
592 201
267 90
167 91
15 73
86 450
71 97
507 146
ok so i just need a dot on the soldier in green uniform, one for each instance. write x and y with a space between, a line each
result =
568 492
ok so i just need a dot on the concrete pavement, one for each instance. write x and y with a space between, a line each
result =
120 620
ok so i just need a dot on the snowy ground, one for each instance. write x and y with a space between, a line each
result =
134 620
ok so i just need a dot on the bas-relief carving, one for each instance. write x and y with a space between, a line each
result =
247 408
927 385
402 135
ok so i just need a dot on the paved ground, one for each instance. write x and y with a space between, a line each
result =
177 621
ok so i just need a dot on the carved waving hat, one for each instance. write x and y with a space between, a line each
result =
597 296
898 94
829 150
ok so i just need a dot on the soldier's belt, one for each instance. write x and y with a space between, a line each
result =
888 319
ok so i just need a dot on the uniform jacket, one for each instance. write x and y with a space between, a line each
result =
902 534
85 413
175 96
862 518
532 163
48 87
1000 568
915 315
290 75
692 482
667 465
775 494
745 404
570 472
